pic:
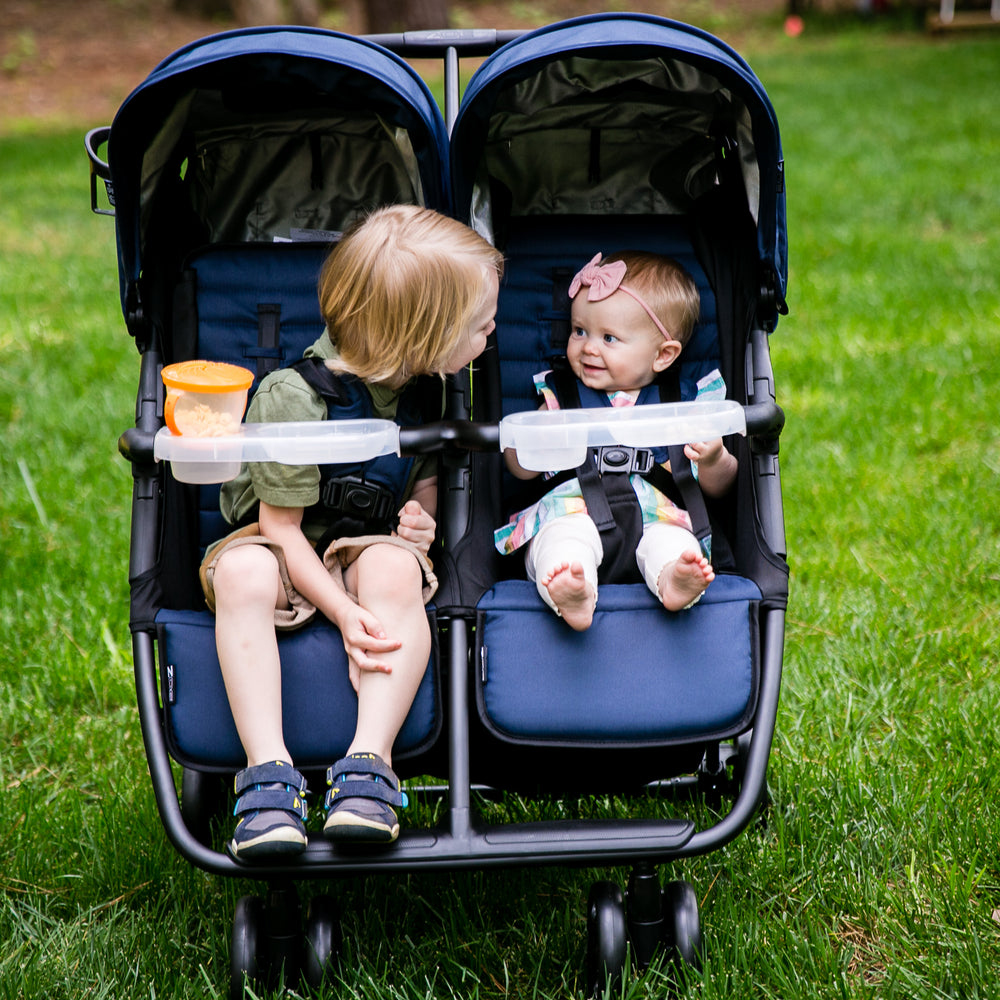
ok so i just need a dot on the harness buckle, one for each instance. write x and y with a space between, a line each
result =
616 458
353 497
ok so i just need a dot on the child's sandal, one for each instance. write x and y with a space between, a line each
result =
362 793
271 808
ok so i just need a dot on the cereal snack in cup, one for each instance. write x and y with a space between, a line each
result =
205 398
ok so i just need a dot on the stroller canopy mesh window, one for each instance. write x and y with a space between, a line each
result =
564 140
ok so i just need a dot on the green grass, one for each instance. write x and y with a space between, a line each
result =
877 871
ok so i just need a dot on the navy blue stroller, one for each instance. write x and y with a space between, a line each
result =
230 171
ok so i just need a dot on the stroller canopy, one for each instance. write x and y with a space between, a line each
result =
249 134
552 125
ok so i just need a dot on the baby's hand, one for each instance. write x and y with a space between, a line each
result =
716 466
416 525
705 453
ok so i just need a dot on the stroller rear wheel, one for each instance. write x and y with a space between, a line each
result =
607 937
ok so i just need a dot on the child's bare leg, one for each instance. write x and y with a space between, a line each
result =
571 594
672 564
269 801
247 590
562 559
388 582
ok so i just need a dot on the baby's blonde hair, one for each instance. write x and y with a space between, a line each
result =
666 288
400 289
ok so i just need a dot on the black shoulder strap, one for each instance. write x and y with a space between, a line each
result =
694 500
669 384
563 383
328 384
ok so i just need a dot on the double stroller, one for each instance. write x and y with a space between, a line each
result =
230 171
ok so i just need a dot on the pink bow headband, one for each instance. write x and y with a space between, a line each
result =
604 280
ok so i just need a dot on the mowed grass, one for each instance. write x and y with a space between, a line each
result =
875 872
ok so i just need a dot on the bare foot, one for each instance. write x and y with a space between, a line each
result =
684 579
572 595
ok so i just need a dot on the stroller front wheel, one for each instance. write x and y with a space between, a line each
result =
607 937
245 957
680 907
322 942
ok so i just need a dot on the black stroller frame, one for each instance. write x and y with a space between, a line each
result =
268 937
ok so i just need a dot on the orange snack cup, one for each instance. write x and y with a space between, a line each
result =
205 398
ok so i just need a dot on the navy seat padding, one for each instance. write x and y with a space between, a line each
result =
639 675
537 246
319 706
227 283
233 280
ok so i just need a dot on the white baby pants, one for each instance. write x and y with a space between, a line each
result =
575 538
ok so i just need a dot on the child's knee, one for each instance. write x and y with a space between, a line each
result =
392 570
246 575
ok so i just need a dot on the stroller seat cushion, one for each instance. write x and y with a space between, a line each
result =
319 705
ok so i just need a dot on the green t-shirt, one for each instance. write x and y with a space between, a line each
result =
284 395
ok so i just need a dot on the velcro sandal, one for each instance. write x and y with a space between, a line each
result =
362 800
271 811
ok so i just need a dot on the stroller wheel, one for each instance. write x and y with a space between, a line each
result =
682 925
322 942
607 937
246 959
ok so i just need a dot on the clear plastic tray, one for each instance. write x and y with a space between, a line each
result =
544 440
218 459
550 440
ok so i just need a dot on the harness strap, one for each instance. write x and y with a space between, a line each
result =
317 376
268 337
694 500
611 501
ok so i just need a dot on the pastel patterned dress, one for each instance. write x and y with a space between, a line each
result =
567 497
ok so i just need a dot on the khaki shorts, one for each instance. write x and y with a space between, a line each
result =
338 556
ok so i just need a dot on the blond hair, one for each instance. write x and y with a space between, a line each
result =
666 288
399 290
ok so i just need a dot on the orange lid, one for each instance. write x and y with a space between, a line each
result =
206 376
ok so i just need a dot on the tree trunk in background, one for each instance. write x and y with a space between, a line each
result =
383 16
204 8
250 12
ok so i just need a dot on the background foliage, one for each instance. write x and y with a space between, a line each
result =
875 873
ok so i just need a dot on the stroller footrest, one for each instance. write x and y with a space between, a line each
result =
639 677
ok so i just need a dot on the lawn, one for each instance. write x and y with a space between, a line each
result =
875 872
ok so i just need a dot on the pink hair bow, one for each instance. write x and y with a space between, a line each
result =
603 280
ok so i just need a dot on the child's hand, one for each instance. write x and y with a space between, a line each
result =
416 525
705 453
716 466
364 639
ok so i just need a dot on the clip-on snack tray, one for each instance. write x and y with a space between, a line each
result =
543 440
